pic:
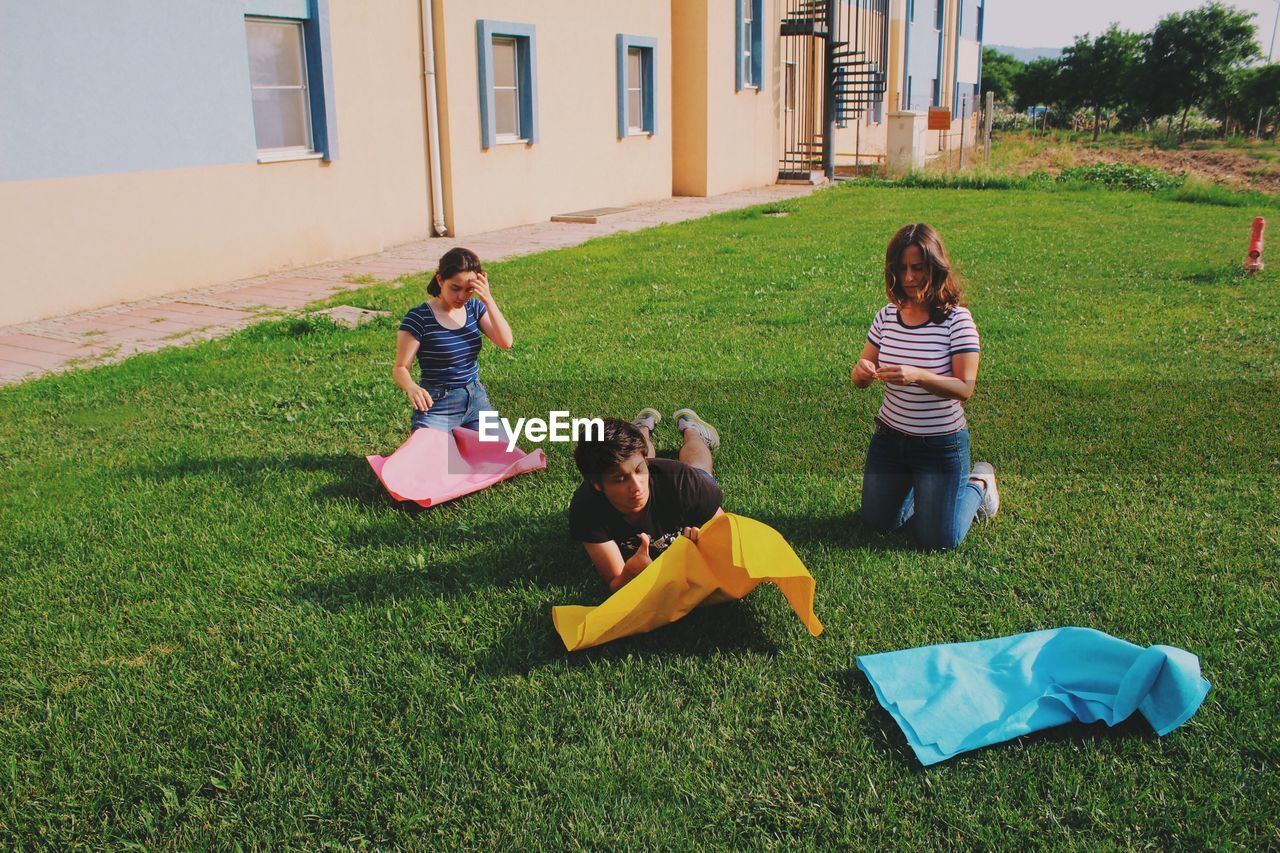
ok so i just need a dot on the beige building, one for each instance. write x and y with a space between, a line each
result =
224 139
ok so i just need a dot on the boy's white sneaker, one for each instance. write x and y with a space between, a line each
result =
688 419
648 417
990 494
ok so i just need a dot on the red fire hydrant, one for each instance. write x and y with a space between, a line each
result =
1253 262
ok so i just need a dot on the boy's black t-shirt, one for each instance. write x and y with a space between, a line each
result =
679 496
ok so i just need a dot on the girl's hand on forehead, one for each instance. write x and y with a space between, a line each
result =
480 286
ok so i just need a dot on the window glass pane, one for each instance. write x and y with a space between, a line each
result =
506 112
634 65
275 53
635 109
280 118
504 62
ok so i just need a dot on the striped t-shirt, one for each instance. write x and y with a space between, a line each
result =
910 408
446 356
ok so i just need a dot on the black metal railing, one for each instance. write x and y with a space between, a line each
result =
833 72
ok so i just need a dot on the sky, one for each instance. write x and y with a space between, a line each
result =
1056 23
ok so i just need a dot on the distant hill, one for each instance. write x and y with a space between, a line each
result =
1026 54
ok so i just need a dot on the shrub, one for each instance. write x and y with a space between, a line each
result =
1202 192
1122 176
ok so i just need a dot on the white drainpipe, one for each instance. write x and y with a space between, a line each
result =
438 227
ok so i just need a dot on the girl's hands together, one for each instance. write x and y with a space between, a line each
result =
899 374
864 371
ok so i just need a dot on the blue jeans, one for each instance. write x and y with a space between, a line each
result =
921 483
456 406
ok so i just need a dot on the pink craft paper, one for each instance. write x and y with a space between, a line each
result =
433 466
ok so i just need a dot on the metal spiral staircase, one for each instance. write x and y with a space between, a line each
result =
833 57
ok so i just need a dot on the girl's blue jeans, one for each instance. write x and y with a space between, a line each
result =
920 483
457 406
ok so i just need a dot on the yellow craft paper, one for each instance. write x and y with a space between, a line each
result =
733 556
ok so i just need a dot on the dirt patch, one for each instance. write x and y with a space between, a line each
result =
141 660
1227 168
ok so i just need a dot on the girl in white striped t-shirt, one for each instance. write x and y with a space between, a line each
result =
924 347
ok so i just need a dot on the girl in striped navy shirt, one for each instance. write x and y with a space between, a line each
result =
444 334
923 346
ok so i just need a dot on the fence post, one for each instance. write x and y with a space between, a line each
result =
991 108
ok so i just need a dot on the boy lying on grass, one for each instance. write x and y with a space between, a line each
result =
631 505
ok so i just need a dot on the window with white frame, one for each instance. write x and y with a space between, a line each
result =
506 90
750 44
635 90
278 81
508 83
291 79
636 113
789 101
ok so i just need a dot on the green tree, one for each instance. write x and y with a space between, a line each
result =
1037 83
998 73
1259 88
1095 72
1188 59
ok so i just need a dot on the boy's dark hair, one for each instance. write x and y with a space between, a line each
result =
621 441
454 261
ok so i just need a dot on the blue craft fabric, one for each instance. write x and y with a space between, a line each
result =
953 698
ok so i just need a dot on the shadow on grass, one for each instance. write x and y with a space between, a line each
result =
723 629
843 531
1233 274
880 726
495 555
536 557
350 477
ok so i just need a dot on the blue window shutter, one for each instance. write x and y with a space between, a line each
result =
651 89
955 71
484 63
528 94
622 85
320 80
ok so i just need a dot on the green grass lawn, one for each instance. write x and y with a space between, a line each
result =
215 625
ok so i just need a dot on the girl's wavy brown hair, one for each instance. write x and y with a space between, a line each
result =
454 261
943 290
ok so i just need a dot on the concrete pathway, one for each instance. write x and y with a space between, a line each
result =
106 335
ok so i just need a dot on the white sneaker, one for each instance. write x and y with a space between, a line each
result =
688 419
990 494
648 417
